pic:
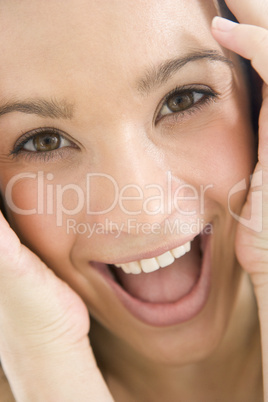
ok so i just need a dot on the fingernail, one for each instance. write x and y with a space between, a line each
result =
222 24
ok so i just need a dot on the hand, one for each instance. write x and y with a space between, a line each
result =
251 42
44 344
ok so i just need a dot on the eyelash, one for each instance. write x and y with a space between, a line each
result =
44 155
208 96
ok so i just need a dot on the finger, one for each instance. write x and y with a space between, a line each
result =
248 41
263 131
14 258
23 276
254 12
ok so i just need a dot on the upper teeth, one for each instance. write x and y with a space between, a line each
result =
152 264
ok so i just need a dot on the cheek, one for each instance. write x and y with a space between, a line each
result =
231 160
26 210
218 154
41 235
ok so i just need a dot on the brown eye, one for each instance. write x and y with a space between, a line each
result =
180 101
176 103
45 142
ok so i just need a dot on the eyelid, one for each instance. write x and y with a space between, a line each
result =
25 137
200 88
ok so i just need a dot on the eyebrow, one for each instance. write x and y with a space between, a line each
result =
153 78
41 107
157 76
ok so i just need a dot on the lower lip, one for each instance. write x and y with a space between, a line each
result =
167 314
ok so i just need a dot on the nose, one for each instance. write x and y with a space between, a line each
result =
129 182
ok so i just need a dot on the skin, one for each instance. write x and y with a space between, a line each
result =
112 128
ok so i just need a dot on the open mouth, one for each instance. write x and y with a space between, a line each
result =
162 279
167 289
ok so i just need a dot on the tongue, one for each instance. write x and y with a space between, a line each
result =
165 285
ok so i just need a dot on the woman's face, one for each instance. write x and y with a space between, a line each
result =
129 126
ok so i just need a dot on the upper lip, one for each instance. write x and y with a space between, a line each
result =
154 252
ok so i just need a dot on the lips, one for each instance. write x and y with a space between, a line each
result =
164 285
169 295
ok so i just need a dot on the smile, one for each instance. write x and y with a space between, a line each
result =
165 289
153 264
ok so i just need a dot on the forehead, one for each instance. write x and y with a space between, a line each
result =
47 43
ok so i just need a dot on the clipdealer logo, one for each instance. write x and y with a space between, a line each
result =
182 198
172 196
